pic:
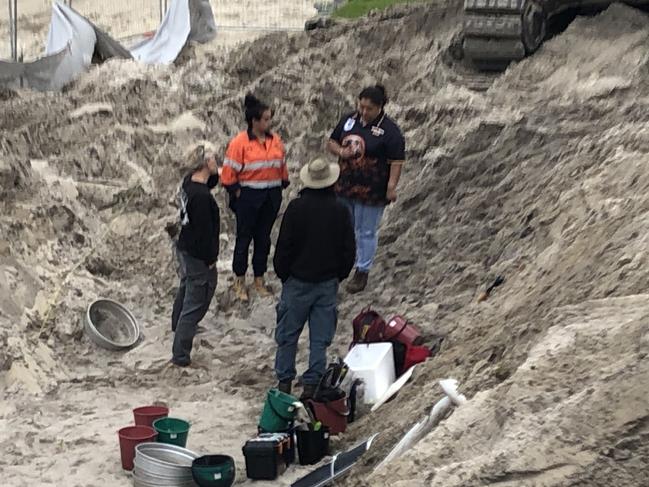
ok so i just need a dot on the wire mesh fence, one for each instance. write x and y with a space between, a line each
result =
237 20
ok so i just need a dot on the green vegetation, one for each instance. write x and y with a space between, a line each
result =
357 8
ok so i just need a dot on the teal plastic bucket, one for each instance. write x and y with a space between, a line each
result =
172 430
278 413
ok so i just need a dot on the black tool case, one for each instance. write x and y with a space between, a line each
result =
266 455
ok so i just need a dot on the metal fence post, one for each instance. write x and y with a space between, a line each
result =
15 31
11 30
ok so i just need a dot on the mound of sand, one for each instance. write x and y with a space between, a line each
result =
540 179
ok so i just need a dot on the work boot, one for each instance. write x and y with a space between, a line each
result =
308 392
261 289
284 386
358 282
239 288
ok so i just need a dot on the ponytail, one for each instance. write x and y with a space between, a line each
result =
253 109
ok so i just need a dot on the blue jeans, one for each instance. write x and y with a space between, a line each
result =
302 301
366 220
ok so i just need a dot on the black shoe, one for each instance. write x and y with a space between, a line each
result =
284 387
308 392
358 282
179 364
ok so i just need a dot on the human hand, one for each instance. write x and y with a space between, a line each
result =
346 152
391 194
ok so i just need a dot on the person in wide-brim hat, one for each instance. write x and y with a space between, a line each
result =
319 174
315 251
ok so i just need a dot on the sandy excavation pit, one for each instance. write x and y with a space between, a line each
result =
542 179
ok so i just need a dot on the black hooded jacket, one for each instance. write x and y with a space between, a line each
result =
316 240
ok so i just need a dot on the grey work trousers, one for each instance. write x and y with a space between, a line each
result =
193 298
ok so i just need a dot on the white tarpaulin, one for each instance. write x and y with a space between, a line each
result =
185 20
74 42
169 39
69 30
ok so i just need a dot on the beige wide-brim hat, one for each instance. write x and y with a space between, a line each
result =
319 174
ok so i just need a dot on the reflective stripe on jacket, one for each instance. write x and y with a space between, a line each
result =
254 164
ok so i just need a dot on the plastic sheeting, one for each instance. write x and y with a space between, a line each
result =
74 43
185 20
70 45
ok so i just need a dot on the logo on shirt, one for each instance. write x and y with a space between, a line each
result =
183 200
357 144
349 124
377 131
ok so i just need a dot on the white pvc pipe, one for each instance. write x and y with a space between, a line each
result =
423 427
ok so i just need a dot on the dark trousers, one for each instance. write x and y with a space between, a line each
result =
256 211
302 301
195 292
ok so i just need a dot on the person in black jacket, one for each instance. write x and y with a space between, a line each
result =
315 251
197 251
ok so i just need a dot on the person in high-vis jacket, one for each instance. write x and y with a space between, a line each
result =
254 173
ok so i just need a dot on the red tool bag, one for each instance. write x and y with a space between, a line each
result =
332 414
368 327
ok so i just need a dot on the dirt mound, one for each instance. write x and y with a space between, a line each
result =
540 179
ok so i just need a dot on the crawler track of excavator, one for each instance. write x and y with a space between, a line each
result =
497 32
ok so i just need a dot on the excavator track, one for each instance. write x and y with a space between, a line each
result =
497 32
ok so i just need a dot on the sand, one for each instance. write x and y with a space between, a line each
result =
542 179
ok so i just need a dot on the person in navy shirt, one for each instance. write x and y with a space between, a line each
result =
371 152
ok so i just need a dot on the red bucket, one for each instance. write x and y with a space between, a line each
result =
402 331
146 415
332 414
129 438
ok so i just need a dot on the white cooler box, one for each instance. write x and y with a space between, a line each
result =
374 364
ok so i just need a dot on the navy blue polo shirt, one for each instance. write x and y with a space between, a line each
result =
364 177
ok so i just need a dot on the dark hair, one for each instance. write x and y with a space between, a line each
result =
254 108
376 94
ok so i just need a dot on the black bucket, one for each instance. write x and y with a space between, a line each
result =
312 445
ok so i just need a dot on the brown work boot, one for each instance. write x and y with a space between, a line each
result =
261 289
358 282
239 288
284 387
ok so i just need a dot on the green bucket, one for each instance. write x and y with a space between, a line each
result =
172 430
278 412
213 471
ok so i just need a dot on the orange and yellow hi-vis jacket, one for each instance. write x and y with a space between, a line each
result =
250 163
